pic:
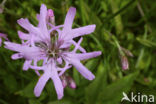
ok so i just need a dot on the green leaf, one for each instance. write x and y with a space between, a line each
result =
76 76
28 90
117 19
112 94
92 91
10 83
91 64
60 102
51 90
146 42
34 101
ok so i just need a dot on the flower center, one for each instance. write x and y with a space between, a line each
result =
51 49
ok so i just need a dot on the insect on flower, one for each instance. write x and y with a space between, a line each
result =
51 45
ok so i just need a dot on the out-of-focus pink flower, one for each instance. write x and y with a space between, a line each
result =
2 6
2 36
51 44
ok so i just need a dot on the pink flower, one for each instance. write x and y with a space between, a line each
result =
51 44
2 36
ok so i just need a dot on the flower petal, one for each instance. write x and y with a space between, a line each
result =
81 68
80 48
58 86
77 45
26 64
57 82
40 84
16 56
13 46
42 17
67 66
42 21
84 56
26 51
59 60
27 25
81 31
38 16
68 21
23 36
0 41
69 18
2 35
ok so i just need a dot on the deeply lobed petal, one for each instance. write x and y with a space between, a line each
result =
82 69
79 66
84 56
34 31
80 31
56 80
41 84
58 85
68 21
16 56
27 64
50 71
79 47
42 22
27 25
23 36
26 51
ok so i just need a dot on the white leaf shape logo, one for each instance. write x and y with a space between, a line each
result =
125 97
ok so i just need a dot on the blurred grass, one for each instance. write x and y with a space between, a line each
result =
127 23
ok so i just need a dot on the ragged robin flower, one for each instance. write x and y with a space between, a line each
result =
51 45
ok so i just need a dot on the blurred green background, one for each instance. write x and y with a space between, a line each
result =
130 24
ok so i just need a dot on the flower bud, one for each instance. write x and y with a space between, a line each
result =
124 62
50 13
50 17
64 83
71 83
